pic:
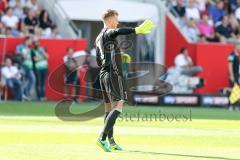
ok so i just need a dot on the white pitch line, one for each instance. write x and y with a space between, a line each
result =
84 129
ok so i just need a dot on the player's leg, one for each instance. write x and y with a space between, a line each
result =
101 142
118 92
113 90
118 106
110 133
231 107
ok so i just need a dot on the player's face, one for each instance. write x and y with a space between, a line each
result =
114 22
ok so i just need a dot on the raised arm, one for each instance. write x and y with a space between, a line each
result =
120 31
145 28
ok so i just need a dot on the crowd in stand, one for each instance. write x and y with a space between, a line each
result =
25 18
25 73
208 20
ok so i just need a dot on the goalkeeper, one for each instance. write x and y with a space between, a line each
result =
109 59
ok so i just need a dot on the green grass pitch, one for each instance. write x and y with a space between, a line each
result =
31 131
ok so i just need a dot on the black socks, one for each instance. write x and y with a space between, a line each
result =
110 119
110 133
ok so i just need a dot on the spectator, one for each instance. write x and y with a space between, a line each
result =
184 62
18 8
71 77
12 76
224 30
44 20
180 8
40 57
191 31
10 20
33 5
217 12
31 22
205 28
233 67
192 11
3 6
25 51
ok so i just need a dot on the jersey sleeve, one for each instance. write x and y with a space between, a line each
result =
113 33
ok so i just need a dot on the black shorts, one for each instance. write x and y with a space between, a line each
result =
113 87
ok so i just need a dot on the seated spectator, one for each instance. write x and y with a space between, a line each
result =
44 20
180 8
40 57
191 30
205 27
12 76
3 6
31 22
184 62
10 20
33 5
217 12
192 11
18 8
225 30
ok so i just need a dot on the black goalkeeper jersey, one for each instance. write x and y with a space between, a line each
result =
107 48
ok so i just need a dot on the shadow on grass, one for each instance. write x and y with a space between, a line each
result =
179 155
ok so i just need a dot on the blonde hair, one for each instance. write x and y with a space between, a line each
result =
109 13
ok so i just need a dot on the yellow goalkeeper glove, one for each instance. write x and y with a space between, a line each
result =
125 58
145 28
